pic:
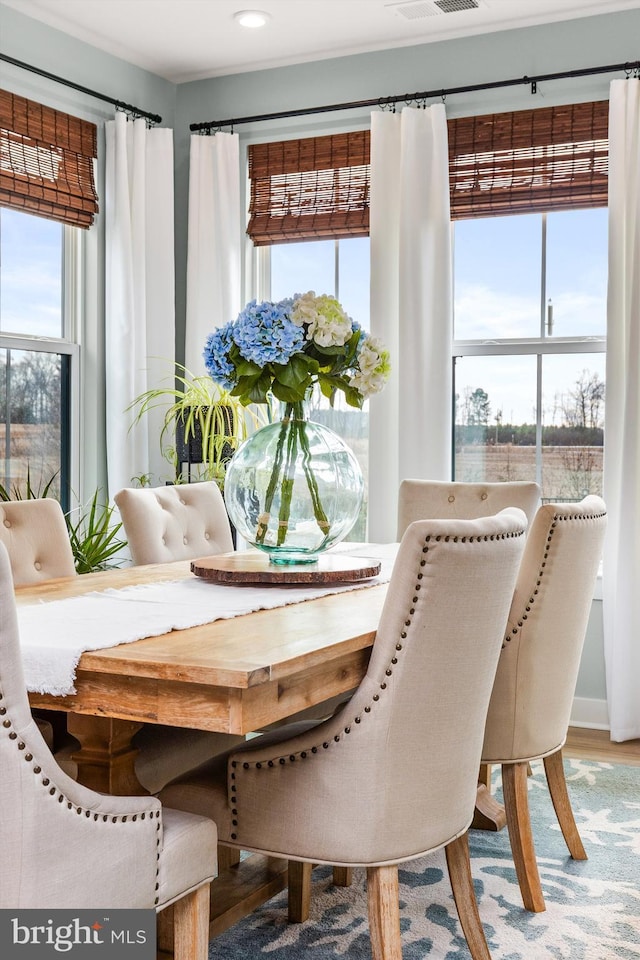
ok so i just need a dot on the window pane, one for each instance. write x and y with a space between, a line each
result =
30 275
355 270
33 429
298 267
497 277
495 418
577 271
573 418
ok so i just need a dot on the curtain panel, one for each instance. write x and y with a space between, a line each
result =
214 252
411 306
621 566
139 292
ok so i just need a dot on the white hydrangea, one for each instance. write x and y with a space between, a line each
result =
327 323
373 367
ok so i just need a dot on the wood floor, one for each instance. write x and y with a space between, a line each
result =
586 744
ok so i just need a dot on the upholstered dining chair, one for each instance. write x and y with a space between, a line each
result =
35 535
348 790
530 705
176 522
64 846
442 500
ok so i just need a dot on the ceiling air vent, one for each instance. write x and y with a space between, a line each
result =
452 6
417 9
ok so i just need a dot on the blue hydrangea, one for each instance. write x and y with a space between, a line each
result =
264 333
216 356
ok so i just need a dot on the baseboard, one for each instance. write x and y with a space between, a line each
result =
590 713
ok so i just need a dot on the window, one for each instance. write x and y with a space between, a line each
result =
339 268
47 192
529 351
38 357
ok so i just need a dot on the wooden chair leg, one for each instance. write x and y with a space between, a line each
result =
342 876
516 803
191 925
299 896
384 913
484 776
554 770
227 857
459 865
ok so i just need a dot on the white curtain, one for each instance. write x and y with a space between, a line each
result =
621 567
411 306
215 241
139 291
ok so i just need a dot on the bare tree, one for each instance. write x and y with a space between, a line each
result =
583 406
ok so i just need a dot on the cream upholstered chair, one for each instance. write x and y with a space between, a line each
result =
441 500
35 535
535 682
348 790
162 524
64 846
180 522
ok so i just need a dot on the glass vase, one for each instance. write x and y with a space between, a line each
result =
293 488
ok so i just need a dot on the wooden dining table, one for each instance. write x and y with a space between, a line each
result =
232 676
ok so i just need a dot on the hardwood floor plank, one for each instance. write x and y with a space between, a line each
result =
584 743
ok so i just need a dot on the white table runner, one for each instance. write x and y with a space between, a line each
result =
54 634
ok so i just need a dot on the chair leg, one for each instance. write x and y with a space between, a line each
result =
459 865
299 895
554 770
191 925
516 802
342 876
384 913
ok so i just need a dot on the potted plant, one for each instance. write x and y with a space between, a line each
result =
203 423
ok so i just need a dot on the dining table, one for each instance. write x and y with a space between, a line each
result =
236 675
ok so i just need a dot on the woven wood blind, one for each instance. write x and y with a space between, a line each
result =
551 158
46 161
308 189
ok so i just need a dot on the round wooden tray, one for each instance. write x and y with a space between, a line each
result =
254 567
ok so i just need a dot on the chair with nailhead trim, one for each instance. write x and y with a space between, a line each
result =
530 706
65 846
441 499
176 522
347 791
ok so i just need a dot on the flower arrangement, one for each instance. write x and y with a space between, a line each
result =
284 348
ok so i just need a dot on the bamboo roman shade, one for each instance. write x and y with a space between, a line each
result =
46 161
551 158
308 189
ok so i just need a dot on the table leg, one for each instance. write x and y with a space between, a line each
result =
106 757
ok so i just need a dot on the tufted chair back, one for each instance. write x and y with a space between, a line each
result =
64 846
179 522
442 500
533 692
37 541
393 773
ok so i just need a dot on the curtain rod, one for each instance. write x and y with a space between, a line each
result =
126 107
409 97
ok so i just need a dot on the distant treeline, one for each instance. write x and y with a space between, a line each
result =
524 435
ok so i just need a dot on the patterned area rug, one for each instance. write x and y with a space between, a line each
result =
593 906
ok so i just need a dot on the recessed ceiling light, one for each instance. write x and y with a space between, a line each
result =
251 18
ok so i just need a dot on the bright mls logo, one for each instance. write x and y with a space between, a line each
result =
81 934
